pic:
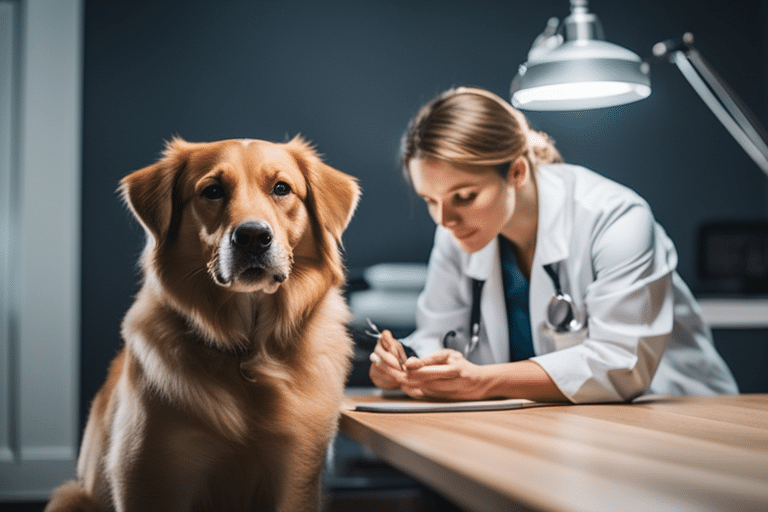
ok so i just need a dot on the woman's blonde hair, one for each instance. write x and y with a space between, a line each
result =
473 126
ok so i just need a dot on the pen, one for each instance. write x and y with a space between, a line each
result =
374 332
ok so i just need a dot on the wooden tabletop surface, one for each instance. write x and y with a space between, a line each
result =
664 453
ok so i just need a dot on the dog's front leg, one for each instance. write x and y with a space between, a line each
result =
301 486
306 497
149 464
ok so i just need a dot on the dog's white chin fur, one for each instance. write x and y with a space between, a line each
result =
269 285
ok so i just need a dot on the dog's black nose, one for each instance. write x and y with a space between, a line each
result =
254 237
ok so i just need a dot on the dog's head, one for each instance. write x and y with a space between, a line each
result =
242 214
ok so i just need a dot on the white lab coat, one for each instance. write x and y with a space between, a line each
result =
645 332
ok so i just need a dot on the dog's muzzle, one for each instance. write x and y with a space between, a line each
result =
250 256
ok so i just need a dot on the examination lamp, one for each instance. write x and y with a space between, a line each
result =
570 67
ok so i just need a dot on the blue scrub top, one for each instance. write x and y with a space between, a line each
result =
516 298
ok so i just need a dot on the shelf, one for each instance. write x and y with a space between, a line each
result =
735 313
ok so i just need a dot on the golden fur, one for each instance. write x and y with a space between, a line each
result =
227 391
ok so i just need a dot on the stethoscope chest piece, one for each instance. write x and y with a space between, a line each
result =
561 314
561 311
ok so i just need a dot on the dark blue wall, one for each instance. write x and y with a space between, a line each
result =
348 75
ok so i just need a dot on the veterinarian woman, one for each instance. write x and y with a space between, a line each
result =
546 281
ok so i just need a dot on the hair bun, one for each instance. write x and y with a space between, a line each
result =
542 148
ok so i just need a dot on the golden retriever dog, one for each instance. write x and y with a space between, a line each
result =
227 392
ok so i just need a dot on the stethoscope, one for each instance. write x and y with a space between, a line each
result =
560 315
561 312
474 320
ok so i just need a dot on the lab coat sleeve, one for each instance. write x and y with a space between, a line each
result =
444 303
630 310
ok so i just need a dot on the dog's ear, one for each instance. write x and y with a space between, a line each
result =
149 191
333 195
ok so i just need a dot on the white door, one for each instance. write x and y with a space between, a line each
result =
40 134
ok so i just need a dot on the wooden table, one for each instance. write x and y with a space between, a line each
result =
665 453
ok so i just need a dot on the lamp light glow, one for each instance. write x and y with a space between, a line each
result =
587 94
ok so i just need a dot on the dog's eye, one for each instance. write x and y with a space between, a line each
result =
281 189
213 192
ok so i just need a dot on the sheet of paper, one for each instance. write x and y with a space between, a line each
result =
424 406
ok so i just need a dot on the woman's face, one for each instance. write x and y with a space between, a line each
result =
473 202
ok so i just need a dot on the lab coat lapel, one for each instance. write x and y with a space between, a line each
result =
552 242
485 265
555 219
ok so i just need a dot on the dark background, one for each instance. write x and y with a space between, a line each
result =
348 75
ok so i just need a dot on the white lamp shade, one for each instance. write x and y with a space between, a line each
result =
582 74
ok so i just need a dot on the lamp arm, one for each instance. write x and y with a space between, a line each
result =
730 100
726 106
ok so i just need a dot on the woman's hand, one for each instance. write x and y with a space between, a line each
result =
444 374
447 374
388 359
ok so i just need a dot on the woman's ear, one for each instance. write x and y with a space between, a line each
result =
519 171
